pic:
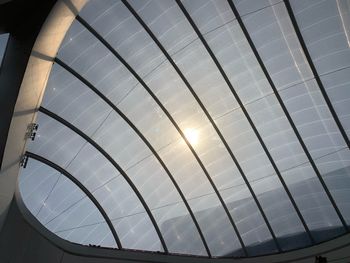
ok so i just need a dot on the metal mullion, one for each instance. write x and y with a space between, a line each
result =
141 81
315 73
138 132
82 188
113 162
286 112
201 37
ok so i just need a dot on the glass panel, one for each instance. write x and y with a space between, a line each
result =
337 86
180 234
205 79
137 232
209 15
167 22
61 206
127 36
35 184
216 227
69 98
280 213
3 44
250 6
254 232
324 27
313 202
276 132
127 148
238 61
244 144
275 39
55 141
335 169
312 118
86 55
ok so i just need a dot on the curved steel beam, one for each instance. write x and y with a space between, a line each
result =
82 188
189 86
229 84
141 81
143 138
314 72
286 112
114 163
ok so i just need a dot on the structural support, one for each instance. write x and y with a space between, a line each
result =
133 72
314 72
143 138
82 188
114 163
229 84
290 120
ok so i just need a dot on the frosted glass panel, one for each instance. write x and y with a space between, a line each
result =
62 207
337 87
216 226
3 43
246 7
324 26
167 22
55 141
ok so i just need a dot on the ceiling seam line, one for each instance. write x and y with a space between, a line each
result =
82 188
132 71
108 157
143 138
315 73
286 112
191 22
190 88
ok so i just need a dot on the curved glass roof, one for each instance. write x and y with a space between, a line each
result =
211 128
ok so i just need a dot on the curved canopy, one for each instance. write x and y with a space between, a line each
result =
212 128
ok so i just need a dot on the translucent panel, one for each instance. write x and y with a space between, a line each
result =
216 227
69 98
3 43
275 39
153 183
126 148
61 206
244 144
312 201
337 87
205 79
127 36
55 141
137 232
118 199
312 118
251 6
95 234
239 63
186 170
35 184
335 169
149 118
210 14
91 168
179 231
167 22
324 27
86 55
250 223
280 213
276 132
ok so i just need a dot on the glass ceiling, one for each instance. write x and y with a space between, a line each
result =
210 128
